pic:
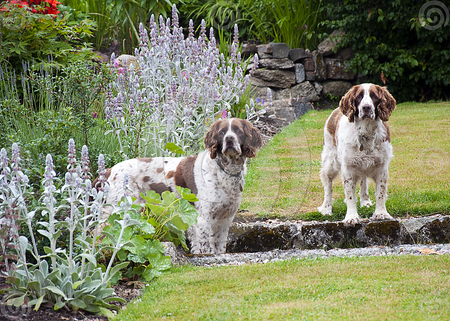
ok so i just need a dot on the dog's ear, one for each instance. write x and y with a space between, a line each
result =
348 104
386 103
253 140
211 139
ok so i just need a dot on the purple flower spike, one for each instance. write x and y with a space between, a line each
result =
72 160
85 162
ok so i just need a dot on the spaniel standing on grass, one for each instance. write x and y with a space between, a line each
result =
357 142
215 175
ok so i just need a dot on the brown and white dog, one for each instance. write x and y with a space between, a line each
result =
357 142
215 176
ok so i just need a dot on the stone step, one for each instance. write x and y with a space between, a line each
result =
274 234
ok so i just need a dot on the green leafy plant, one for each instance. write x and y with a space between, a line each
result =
66 277
33 36
393 47
295 23
164 217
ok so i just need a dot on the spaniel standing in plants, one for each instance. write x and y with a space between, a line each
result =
215 176
357 142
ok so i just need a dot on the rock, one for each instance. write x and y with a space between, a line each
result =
345 54
264 51
305 89
261 92
127 60
101 57
309 64
337 88
273 78
318 86
248 50
271 235
310 76
337 69
177 255
327 46
276 63
260 236
299 73
297 54
319 66
279 50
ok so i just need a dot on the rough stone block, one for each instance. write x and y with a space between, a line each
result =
309 64
327 46
319 66
279 50
276 63
248 50
304 89
297 54
264 51
273 78
310 76
337 88
337 69
300 75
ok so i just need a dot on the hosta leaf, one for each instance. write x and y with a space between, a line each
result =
188 212
150 273
122 255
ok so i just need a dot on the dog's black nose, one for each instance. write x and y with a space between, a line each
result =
366 108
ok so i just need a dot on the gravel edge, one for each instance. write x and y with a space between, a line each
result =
232 259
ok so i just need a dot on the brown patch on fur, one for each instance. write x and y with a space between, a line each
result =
159 187
160 170
145 160
146 179
384 102
251 140
212 139
184 174
349 103
333 123
170 174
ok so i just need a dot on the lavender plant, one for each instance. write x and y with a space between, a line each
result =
72 279
175 91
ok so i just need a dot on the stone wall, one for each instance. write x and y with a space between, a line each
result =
297 76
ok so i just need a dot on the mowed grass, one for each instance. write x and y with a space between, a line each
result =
283 180
368 288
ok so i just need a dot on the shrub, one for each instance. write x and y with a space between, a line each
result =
392 46
178 88
53 105
30 32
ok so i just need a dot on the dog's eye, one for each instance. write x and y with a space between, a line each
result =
238 131
222 132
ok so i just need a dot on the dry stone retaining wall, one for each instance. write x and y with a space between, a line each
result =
296 76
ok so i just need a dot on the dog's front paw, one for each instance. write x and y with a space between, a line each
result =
351 220
365 203
324 209
381 216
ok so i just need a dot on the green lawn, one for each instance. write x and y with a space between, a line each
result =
368 288
283 181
